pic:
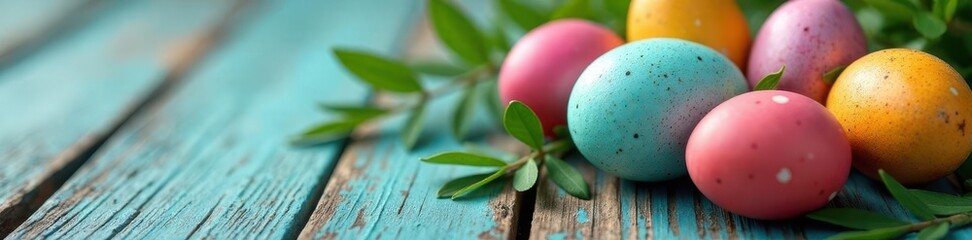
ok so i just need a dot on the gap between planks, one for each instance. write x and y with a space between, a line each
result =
342 211
180 60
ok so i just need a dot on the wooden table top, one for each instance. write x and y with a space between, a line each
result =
171 119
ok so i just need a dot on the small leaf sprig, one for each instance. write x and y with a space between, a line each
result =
383 74
938 213
479 52
521 123
770 81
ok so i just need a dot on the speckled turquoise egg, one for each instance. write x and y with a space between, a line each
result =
632 110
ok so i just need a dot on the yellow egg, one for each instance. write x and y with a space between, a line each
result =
718 24
904 111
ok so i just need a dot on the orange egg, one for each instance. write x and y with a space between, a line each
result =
904 111
718 24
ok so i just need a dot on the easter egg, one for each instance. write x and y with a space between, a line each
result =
540 70
718 24
810 37
769 155
632 110
904 111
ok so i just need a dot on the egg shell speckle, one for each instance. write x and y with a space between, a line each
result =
904 111
633 109
811 37
550 58
762 158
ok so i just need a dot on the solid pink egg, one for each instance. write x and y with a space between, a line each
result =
542 67
769 155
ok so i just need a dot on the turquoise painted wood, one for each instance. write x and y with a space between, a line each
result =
381 191
63 99
27 24
211 160
677 210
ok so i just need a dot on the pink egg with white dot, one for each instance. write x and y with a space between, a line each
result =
769 155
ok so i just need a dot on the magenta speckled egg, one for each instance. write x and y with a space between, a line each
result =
769 155
811 37
542 67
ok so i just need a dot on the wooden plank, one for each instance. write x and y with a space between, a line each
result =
64 101
677 210
25 25
380 190
212 159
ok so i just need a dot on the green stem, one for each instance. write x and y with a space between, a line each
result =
557 147
954 221
469 78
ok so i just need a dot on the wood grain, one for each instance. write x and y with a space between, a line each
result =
676 210
379 190
64 101
211 160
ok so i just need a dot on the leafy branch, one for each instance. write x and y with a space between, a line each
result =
479 53
938 211
521 123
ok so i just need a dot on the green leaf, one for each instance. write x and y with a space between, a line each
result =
499 172
462 117
520 121
380 73
945 9
895 9
499 39
561 131
487 150
770 81
943 204
466 159
523 15
965 170
326 132
567 177
438 69
361 113
934 232
526 176
458 33
880 233
453 186
905 197
573 9
831 76
855 218
928 25
490 93
413 127
618 8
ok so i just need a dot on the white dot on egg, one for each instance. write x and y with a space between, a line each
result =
954 92
698 22
781 99
810 156
832 196
783 176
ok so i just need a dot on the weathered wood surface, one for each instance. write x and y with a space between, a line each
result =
677 210
379 190
198 133
27 25
69 96
211 159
